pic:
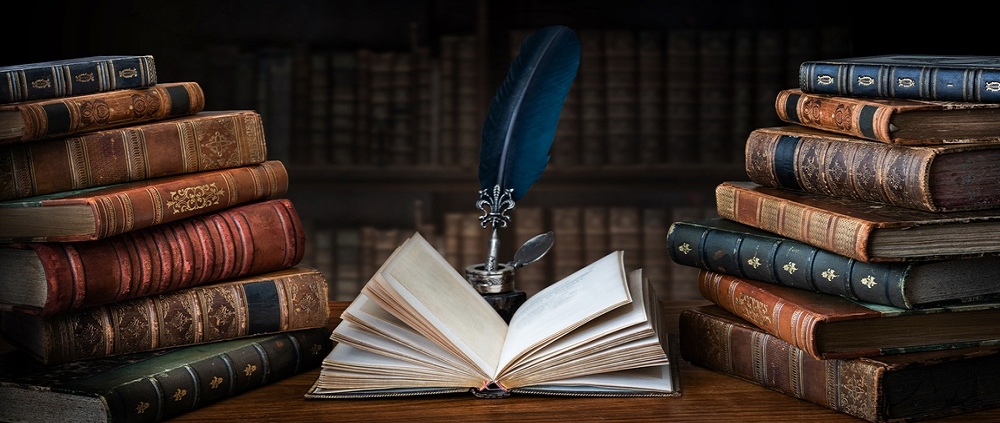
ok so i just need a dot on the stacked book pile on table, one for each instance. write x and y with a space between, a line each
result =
859 266
149 263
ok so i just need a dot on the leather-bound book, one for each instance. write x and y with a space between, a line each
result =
280 301
896 388
725 246
41 119
48 278
204 141
862 230
155 385
892 121
75 76
828 326
940 178
96 213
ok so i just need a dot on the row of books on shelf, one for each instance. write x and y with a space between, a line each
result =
857 267
640 96
583 234
149 262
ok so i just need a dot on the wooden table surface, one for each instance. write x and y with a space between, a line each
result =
706 396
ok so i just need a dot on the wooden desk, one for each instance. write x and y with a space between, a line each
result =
706 396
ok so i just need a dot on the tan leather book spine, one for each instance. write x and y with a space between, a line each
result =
173 256
836 114
127 207
109 109
204 141
281 301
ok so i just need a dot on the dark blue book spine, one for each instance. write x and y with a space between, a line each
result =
981 85
783 261
70 78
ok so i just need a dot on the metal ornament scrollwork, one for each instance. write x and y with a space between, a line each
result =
495 204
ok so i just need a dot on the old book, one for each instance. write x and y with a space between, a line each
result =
714 105
938 178
96 213
208 140
420 328
56 277
596 232
319 115
650 82
567 252
280 301
621 96
347 263
448 121
742 68
681 82
829 326
892 120
591 81
725 246
913 76
858 229
344 103
380 108
75 76
58 117
274 99
893 388
768 74
156 385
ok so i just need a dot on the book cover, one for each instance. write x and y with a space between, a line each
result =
913 76
100 212
892 120
204 141
75 76
156 385
50 118
829 326
48 278
934 178
892 388
725 246
280 301
859 229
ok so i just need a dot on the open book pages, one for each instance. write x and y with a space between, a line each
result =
419 327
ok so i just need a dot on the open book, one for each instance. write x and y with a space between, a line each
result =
419 328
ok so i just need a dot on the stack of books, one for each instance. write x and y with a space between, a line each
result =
858 267
148 261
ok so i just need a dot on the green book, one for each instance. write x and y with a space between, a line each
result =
152 386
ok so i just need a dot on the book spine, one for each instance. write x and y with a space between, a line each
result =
70 115
651 95
682 96
49 80
836 233
842 115
900 81
621 97
771 313
197 143
882 173
192 385
269 304
852 387
714 104
169 257
178 198
787 262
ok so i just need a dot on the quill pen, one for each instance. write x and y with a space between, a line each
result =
521 123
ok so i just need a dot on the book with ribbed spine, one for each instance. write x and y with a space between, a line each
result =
728 247
204 141
59 117
75 76
96 213
155 385
48 278
280 301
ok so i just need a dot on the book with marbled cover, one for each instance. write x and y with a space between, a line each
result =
284 300
75 76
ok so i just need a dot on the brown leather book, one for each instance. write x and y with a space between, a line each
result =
939 178
97 213
899 387
281 301
48 278
828 326
892 121
865 231
42 119
203 141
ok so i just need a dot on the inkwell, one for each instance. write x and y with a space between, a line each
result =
517 135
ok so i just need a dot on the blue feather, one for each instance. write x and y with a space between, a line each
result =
521 121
